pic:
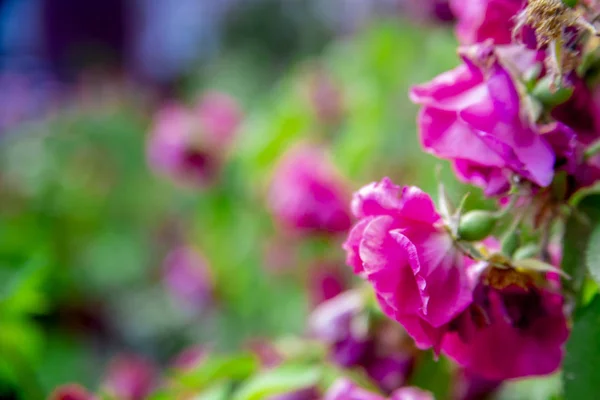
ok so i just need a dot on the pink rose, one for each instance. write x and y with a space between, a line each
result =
400 245
472 115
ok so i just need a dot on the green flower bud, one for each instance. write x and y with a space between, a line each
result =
476 225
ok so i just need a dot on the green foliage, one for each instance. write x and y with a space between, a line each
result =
593 254
284 379
581 375
578 229
218 368
434 373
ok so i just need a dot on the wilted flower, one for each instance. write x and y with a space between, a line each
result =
307 195
479 20
400 245
516 327
187 277
473 116
189 144
130 378
71 391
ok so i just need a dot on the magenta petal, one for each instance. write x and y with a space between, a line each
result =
503 351
376 198
352 246
418 206
411 393
387 267
440 273
446 89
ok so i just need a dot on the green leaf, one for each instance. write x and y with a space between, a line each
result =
433 375
592 255
533 264
219 368
549 96
285 379
578 229
581 375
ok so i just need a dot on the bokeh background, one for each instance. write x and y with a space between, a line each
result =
85 223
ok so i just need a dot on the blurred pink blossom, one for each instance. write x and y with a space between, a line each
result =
189 145
307 195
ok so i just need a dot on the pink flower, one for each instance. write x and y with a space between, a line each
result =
188 144
472 116
344 389
187 277
71 391
411 393
403 249
130 378
479 20
513 328
307 195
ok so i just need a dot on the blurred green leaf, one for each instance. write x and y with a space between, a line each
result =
581 374
592 255
433 375
219 368
284 379
576 238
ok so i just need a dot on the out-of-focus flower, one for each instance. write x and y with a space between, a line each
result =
479 20
411 393
190 358
429 10
71 391
581 112
470 386
379 346
344 389
514 328
301 394
472 115
307 195
130 377
189 145
401 247
187 277
341 323
267 353
325 281
325 97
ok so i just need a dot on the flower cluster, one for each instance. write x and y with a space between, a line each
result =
518 118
